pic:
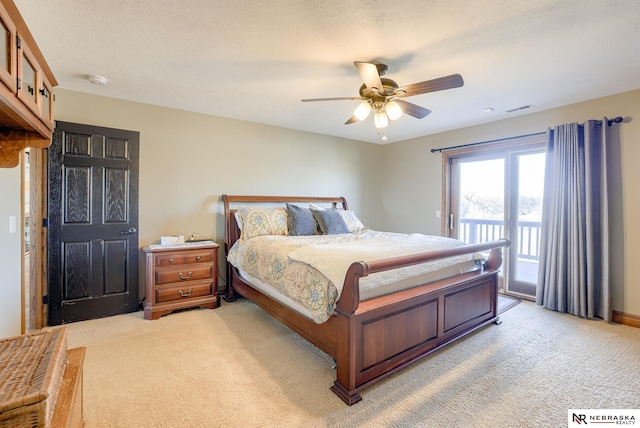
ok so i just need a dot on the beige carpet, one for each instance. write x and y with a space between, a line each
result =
237 367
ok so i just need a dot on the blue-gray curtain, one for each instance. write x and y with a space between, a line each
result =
574 273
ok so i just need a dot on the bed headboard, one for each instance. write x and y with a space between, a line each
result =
233 202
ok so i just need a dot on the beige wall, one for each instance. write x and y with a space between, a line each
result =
185 167
10 257
412 183
188 160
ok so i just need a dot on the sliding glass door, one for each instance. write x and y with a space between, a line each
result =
496 193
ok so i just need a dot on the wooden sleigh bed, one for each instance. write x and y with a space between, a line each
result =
372 339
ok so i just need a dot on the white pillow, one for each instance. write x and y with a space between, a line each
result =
352 221
238 219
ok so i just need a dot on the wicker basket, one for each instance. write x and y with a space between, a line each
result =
31 370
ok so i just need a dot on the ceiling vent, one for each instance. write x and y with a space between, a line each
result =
519 108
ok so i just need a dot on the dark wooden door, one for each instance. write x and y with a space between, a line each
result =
93 222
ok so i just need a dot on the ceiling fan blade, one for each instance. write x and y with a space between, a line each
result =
351 120
439 84
332 99
369 74
413 110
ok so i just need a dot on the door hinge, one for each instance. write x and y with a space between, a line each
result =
45 222
45 300
18 42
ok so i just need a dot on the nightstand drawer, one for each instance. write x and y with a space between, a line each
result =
186 257
183 274
186 292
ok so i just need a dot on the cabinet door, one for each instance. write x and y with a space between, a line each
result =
46 101
8 66
28 78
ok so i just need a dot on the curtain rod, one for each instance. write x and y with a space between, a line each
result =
610 121
597 122
485 142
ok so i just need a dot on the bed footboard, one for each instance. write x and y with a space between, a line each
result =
383 335
382 339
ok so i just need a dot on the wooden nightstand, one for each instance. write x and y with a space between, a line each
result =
181 276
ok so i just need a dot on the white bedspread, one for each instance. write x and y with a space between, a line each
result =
333 259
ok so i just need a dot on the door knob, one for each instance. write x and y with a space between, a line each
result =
131 231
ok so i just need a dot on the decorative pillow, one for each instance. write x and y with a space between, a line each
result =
300 221
330 222
238 219
262 221
351 220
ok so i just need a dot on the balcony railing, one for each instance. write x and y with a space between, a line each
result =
475 230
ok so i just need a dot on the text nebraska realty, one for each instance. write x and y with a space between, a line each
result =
606 419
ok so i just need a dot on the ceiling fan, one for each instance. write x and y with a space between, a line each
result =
383 95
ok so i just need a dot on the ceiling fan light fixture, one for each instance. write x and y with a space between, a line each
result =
393 110
380 119
363 110
385 97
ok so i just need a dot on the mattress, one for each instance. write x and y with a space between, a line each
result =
447 272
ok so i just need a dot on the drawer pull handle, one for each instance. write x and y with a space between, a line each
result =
171 260
184 278
182 293
198 258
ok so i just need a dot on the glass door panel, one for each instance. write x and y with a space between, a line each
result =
28 79
527 172
5 46
8 67
480 201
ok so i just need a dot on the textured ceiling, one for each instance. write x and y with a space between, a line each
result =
255 60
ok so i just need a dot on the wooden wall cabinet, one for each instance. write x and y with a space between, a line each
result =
26 89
